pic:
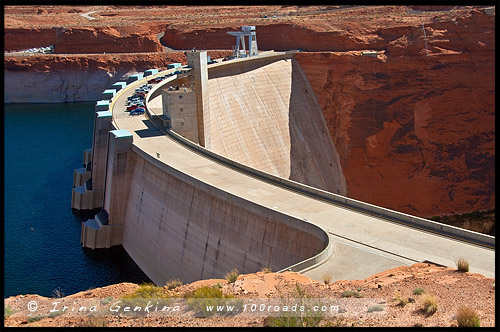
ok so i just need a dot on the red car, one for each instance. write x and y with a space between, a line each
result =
132 107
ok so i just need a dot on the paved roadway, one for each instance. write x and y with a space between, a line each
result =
363 244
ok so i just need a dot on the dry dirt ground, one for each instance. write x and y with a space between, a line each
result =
320 18
451 288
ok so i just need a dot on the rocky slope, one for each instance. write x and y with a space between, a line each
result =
393 290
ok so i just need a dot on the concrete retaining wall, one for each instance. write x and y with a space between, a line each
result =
178 227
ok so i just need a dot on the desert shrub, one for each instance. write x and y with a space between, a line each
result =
335 322
204 298
55 314
143 295
7 310
232 276
351 293
467 317
430 304
34 318
400 300
327 278
174 283
377 307
266 269
462 265
418 291
306 318
106 300
93 322
148 290
57 293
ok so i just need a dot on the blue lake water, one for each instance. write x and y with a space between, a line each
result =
43 144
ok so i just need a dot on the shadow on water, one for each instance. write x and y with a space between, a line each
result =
117 263
84 215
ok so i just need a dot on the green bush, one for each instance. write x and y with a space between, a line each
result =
106 300
143 295
377 307
55 314
351 293
7 310
232 276
148 290
306 318
34 318
467 317
418 291
201 299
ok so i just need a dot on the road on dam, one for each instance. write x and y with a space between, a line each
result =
363 244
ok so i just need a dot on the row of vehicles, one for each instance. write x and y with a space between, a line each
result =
135 103
158 79
46 50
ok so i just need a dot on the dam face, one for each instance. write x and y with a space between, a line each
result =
264 191
264 114
177 227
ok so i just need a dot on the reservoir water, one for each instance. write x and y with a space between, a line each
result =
43 144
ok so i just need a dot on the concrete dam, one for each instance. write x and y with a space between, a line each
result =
236 169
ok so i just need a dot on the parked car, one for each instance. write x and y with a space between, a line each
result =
137 111
132 107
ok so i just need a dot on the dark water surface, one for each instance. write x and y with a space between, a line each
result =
43 144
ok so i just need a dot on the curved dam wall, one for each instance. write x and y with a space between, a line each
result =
175 226
264 114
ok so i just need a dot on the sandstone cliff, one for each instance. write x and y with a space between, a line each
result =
55 79
415 133
82 40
